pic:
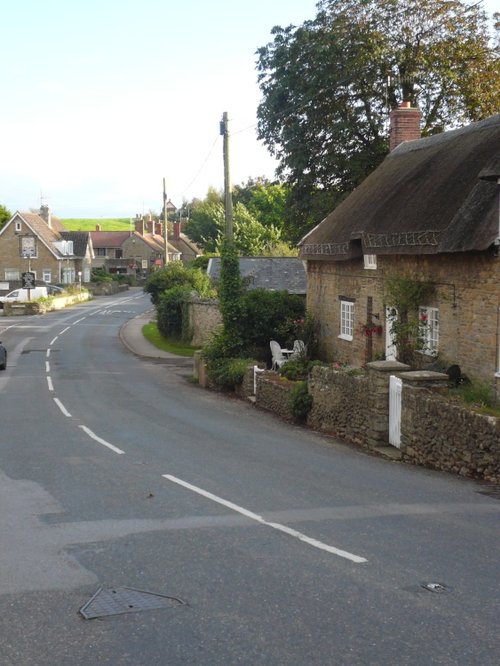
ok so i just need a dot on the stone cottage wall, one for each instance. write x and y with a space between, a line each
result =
467 295
204 318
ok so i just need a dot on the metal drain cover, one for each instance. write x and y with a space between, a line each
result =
439 588
118 600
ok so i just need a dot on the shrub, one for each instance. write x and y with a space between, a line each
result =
227 373
175 274
170 311
300 401
267 315
298 368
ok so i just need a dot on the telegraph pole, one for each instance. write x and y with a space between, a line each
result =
165 232
228 199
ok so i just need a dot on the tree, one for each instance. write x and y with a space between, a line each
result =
5 215
328 84
265 200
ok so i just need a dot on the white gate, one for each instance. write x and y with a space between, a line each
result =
395 399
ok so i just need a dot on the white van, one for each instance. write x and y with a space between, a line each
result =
21 295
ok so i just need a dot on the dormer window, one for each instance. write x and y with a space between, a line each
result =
370 261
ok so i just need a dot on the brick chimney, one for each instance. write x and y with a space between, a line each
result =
158 228
150 226
404 124
98 227
177 229
46 215
139 225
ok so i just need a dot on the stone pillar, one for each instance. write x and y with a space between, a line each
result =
414 383
379 373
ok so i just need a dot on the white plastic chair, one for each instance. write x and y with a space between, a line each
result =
278 357
299 348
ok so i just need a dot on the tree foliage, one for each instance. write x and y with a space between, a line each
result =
175 274
328 84
5 215
258 219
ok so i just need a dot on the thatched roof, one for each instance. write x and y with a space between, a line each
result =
433 195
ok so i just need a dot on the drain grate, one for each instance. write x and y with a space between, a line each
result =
439 588
119 600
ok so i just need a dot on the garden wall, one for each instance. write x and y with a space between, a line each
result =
204 318
435 432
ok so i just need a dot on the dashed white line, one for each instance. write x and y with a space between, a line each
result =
50 385
64 330
48 353
53 340
101 441
47 366
277 526
61 406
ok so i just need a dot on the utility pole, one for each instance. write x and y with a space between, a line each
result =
165 232
228 199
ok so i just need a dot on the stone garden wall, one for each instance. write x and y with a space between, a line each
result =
204 318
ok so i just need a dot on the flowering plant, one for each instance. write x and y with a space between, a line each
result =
370 329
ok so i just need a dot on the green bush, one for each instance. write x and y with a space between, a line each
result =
227 373
175 274
269 315
300 401
170 311
298 368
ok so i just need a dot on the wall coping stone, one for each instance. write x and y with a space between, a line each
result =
388 366
421 376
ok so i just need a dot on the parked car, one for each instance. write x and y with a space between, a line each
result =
3 357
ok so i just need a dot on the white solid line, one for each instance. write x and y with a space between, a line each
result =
61 406
101 441
254 516
47 366
49 382
52 341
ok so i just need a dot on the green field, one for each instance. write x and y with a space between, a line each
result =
106 224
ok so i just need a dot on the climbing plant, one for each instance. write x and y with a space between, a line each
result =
404 295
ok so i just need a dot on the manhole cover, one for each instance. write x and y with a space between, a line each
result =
118 600
435 587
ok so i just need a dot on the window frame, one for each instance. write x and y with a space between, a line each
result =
370 262
429 331
346 319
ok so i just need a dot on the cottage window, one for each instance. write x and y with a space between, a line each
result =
346 320
11 274
429 329
100 251
370 261
46 275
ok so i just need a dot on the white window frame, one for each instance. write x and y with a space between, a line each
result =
429 331
370 261
346 320
47 275
497 373
12 274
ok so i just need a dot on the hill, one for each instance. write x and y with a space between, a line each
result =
106 224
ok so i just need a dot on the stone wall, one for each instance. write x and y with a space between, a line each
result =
204 318
436 433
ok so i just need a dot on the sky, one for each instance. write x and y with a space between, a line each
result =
103 99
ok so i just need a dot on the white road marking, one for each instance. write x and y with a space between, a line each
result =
47 366
64 330
78 321
48 353
61 406
101 441
53 340
49 382
277 526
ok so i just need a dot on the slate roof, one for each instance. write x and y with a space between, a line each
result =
432 195
106 239
271 273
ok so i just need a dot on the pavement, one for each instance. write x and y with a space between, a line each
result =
132 337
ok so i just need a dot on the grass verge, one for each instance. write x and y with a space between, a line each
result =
152 334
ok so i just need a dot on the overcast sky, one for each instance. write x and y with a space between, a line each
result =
102 99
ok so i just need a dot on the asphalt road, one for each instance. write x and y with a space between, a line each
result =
261 542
